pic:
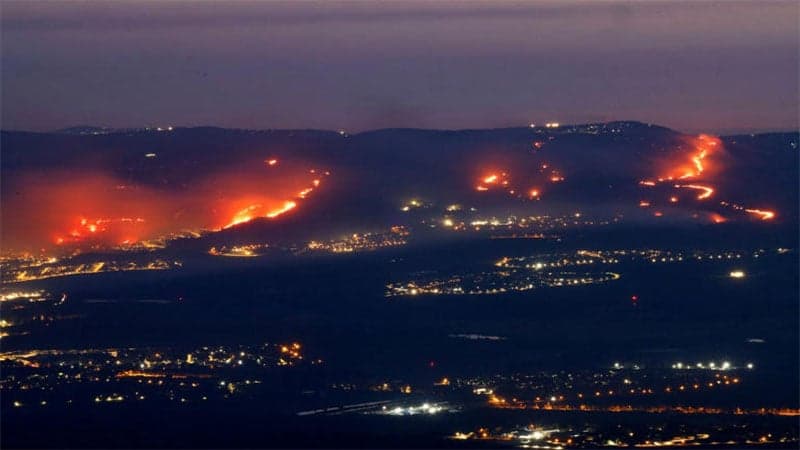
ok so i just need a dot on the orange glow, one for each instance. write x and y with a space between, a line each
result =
107 227
244 215
71 210
644 204
138 374
703 146
716 218
658 214
764 215
707 191
271 162
697 164
494 179
255 211
287 206
534 193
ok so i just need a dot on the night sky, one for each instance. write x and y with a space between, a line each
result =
695 66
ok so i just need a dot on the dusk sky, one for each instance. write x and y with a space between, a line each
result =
696 66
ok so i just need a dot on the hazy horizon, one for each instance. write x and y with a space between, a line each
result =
718 67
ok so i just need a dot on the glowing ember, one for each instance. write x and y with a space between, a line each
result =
716 218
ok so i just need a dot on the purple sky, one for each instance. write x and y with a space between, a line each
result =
694 66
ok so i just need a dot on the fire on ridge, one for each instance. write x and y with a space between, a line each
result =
697 167
99 210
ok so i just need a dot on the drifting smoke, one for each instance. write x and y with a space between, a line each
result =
98 210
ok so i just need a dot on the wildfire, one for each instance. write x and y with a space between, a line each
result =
287 206
698 165
492 179
764 215
69 210
87 228
259 206
255 211
706 191
244 215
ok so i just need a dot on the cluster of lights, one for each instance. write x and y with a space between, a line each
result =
356 242
725 365
128 371
425 408
64 268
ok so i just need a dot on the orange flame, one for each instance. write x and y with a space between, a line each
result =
764 215
707 191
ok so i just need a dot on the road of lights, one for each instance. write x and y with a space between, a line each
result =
353 243
552 270
724 435
23 272
628 390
